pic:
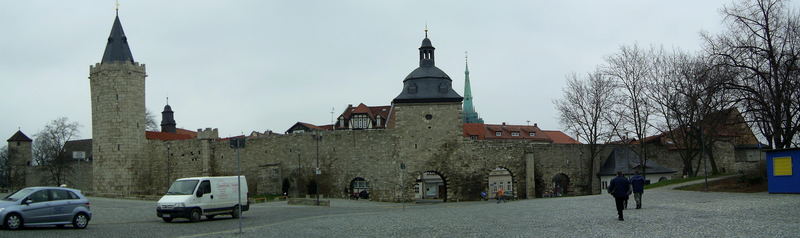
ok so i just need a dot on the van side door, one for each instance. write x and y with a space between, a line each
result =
206 201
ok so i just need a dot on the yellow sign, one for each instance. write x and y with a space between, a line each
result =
782 166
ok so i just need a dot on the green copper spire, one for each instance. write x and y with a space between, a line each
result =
470 115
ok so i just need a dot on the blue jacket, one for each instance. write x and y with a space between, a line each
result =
637 181
619 186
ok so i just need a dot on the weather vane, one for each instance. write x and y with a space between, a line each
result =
426 30
117 7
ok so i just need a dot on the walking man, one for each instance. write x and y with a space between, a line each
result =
637 181
619 189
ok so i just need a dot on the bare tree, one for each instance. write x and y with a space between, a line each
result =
48 148
631 69
688 93
150 121
761 43
5 167
584 110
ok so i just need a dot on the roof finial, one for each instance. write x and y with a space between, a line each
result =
426 30
117 7
466 57
167 100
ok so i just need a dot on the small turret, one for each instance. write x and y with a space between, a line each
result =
168 120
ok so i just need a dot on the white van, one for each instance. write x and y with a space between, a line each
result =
210 196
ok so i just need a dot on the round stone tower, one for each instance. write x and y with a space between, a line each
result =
118 118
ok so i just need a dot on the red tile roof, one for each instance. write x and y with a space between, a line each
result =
185 132
475 129
156 135
559 137
489 132
372 113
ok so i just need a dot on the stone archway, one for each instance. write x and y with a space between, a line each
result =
431 186
359 188
501 177
561 185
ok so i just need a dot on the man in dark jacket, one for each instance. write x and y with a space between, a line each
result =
637 182
619 189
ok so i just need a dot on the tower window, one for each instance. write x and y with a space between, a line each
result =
428 117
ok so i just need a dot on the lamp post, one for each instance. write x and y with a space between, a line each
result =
237 144
297 177
317 138
402 184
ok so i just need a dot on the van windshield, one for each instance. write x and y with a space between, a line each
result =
182 187
19 194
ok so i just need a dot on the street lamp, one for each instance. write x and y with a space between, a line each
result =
317 138
402 184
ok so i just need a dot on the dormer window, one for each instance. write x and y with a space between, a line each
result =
532 134
515 133
498 133
359 121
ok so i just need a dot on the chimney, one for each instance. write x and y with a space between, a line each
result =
504 123
534 125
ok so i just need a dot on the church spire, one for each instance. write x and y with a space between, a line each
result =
426 51
117 49
470 115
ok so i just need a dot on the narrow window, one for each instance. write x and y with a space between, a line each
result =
117 147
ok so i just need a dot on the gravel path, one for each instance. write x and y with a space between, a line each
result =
666 213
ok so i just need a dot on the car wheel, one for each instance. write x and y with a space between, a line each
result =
80 221
13 222
167 219
195 216
210 217
236 212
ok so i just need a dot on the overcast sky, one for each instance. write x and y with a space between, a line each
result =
244 66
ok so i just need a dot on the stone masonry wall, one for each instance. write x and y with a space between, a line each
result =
117 96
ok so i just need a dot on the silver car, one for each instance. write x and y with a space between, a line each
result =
40 206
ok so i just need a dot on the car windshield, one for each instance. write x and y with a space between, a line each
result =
182 187
19 194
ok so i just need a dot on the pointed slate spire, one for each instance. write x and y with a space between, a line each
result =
470 115
19 136
117 49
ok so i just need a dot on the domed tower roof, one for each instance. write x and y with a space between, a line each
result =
168 119
427 83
